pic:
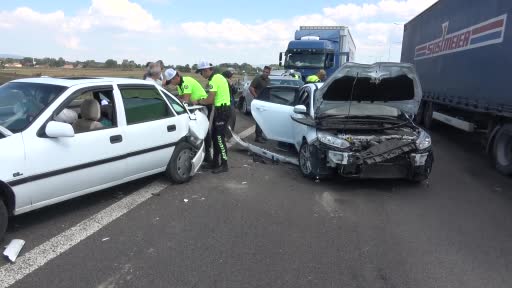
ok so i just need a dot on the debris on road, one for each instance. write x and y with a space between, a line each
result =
274 157
13 249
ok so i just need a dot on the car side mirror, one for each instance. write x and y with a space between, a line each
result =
300 109
56 129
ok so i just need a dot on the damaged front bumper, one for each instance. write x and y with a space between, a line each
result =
392 160
197 160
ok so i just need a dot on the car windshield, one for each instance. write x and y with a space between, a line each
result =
21 103
301 60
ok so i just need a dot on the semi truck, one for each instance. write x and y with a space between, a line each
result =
462 50
318 47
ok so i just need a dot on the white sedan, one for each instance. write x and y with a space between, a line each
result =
64 137
357 124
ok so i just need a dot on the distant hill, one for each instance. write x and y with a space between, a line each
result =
11 56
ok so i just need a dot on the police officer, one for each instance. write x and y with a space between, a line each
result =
219 96
233 91
318 77
188 88
189 91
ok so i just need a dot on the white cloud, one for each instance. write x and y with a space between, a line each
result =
122 14
227 40
373 36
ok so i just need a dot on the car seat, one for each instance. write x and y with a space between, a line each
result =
90 112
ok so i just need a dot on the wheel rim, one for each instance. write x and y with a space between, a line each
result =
184 163
504 150
305 159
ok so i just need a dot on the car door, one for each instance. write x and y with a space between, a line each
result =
65 167
272 110
152 129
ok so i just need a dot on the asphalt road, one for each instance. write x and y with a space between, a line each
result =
264 225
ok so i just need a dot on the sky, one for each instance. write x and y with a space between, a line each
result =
185 32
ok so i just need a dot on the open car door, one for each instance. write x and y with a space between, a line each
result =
272 110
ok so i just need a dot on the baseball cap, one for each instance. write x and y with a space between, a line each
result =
203 65
169 73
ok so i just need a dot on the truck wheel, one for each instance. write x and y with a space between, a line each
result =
502 150
180 165
428 112
3 219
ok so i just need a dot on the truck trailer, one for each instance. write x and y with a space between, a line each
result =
318 47
462 50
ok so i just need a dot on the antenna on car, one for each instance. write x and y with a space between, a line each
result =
352 93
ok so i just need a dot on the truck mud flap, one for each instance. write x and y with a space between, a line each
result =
263 152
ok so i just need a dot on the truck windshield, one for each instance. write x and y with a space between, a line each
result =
302 60
21 103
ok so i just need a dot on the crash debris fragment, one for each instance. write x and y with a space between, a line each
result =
13 249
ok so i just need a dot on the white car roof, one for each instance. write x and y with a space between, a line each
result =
68 82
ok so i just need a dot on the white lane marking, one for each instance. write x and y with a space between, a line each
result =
242 135
37 257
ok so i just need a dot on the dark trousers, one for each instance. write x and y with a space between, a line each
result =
208 139
220 125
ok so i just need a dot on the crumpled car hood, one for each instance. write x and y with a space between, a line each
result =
389 84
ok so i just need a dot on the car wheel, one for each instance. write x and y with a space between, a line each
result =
180 165
305 161
502 150
3 219
245 109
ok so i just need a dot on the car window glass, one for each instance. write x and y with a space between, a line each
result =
22 102
175 104
280 96
143 104
89 111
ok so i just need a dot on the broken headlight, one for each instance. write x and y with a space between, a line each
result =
424 141
332 140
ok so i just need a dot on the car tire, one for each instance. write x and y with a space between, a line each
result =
180 165
428 112
245 109
305 161
502 150
3 219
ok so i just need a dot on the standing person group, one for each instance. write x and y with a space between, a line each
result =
218 102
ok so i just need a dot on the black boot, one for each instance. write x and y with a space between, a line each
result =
223 168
